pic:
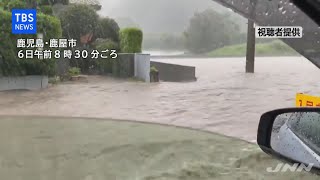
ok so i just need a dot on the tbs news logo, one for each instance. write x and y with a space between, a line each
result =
24 21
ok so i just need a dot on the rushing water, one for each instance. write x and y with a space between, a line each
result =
224 99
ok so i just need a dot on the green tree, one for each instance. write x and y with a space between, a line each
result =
10 4
104 66
78 20
10 64
107 28
131 40
209 30
44 6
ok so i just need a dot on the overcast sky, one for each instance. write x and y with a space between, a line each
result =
171 16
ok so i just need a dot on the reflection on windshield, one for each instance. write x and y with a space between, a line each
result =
282 13
306 126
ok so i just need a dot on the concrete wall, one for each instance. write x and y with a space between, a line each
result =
142 67
124 65
23 83
175 73
132 65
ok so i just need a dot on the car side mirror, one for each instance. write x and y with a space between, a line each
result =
292 134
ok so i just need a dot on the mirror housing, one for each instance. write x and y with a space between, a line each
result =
292 135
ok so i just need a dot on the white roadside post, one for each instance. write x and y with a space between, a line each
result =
40 36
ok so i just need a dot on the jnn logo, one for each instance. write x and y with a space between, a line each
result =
287 167
24 21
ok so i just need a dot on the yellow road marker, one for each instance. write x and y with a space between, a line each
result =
305 100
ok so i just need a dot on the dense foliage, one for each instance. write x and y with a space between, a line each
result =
75 22
10 4
103 44
107 28
131 40
210 30
11 65
74 71
78 20
47 9
104 66
42 5
9 62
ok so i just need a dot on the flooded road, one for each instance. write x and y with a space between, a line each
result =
223 100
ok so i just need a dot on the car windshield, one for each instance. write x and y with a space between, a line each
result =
149 90
283 13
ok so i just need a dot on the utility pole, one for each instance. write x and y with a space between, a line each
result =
251 43
251 40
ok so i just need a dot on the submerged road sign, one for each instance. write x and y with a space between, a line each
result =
305 100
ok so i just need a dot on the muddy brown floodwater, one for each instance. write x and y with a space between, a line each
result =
223 100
